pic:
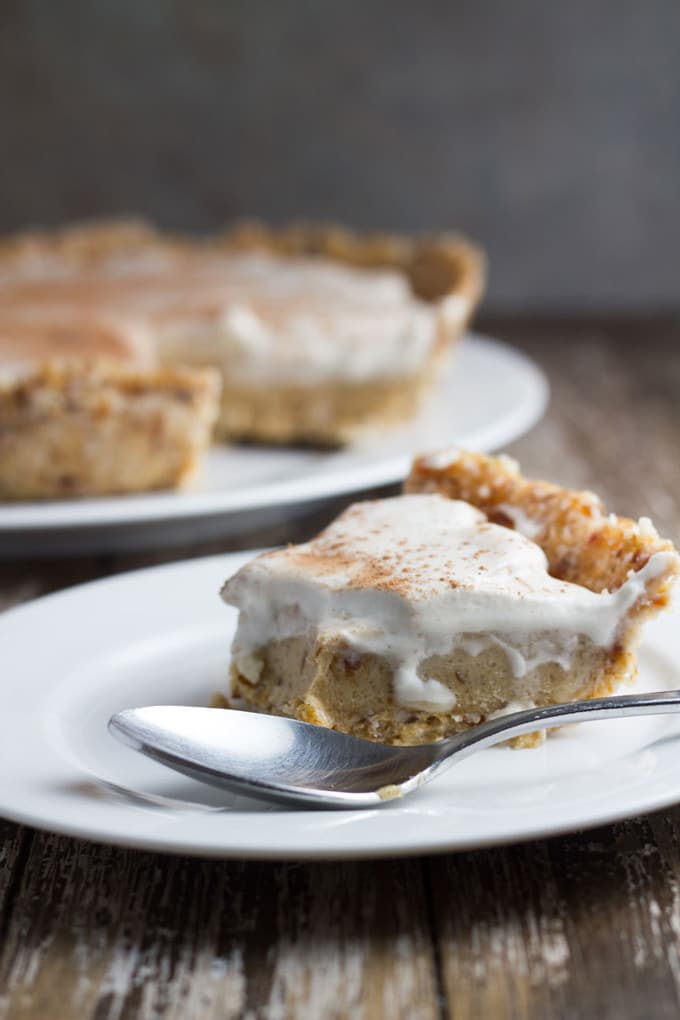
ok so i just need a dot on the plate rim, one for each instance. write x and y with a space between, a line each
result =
259 852
84 828
24 518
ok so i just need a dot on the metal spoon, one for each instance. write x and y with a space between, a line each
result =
282 759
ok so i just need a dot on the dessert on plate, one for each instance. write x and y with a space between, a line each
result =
317 333
84 411
476 592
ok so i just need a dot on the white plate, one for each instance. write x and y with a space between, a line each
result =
161 636
489 394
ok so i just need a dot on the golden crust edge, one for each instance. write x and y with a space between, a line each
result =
60 372
438 265
584 544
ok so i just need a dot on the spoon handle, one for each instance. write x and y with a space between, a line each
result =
533 719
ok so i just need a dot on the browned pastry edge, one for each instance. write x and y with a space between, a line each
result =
84 242
183 382
582 542
437 265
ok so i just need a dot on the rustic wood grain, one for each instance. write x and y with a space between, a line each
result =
584 926
577 927
108 933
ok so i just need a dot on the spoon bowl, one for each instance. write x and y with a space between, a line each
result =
281 759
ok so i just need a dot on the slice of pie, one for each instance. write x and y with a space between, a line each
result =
319 334
83 411
477 592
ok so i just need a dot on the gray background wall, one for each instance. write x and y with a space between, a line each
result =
548 130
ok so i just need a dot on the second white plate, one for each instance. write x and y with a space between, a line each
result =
161 636
488 395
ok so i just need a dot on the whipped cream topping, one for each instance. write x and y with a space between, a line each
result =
418 575
310 320
265 317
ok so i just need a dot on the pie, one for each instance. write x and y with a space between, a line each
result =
475 593
316 333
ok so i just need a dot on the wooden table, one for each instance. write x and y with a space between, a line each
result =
584 926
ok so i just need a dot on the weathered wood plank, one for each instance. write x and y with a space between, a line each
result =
580 926
499 925
105 933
